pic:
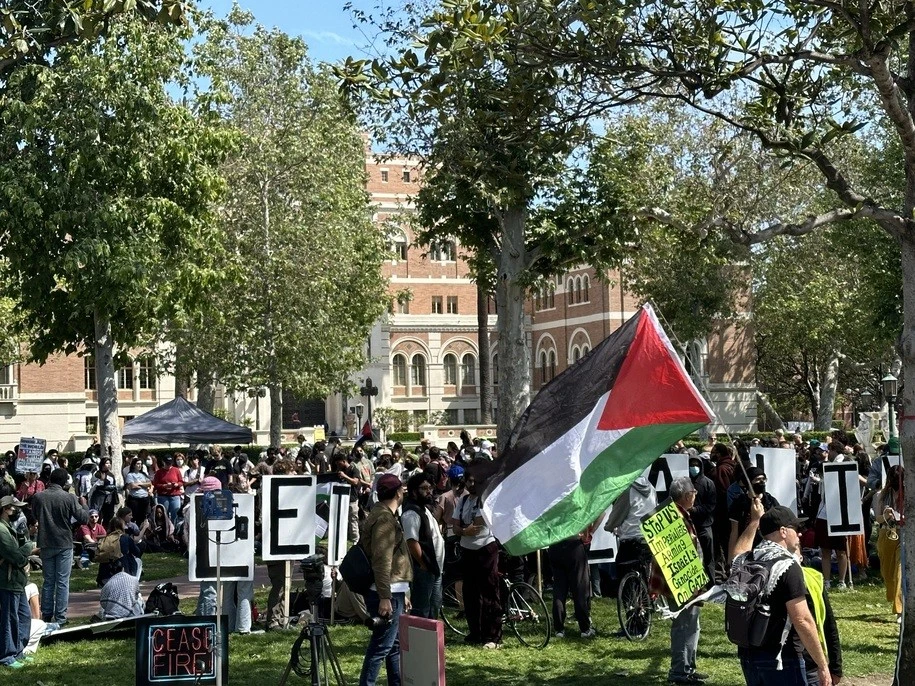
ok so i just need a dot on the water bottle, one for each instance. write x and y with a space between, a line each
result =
84 560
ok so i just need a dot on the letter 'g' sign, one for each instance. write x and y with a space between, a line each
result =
288 517
843 499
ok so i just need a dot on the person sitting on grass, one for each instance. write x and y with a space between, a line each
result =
120 597
129 558
160 535
89 534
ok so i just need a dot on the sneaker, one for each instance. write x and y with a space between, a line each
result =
827 584
492 645
560 634
700 675
15 665
590 633
688 679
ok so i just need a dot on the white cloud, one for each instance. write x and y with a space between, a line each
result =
328 37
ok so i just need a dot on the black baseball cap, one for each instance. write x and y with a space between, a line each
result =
777 517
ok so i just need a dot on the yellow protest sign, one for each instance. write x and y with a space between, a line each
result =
674 552
318 434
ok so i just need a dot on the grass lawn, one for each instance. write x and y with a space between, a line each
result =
867 627
155 566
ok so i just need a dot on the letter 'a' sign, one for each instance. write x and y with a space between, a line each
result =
288 516
843 499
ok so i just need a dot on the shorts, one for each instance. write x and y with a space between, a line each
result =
824 540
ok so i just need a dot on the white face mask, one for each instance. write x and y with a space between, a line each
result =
180 463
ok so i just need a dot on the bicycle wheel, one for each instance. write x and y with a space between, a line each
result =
633 605
528 616
452 611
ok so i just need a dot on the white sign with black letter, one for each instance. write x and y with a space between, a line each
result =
288 516
843 499
603 543
780 466
337 524
888 461
237 537
664 470
31 454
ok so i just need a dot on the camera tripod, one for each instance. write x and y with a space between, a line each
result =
325 668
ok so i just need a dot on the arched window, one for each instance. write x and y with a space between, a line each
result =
551 296
418 370
443 251
585 350
399 369
469 370
578 289
570 292
542 365
552 364
397 244
585 289
576 354
538 301
450 370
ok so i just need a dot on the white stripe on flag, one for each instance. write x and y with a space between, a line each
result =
529 491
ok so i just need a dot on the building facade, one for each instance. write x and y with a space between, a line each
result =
423 355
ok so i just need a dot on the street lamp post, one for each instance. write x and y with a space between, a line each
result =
890 386
359 408
369 391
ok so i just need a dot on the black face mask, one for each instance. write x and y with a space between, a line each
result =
759 489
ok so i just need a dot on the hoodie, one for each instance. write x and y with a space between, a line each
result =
628 511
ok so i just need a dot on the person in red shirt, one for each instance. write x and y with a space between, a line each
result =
168 484
91 533
29 487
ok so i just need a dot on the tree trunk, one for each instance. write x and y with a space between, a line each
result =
182 372
107 388
276 415
828 384
514 352
905 667
206 390
763 400
485 367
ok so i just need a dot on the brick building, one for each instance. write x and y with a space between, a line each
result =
423 355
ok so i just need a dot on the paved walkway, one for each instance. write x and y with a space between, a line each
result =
86 604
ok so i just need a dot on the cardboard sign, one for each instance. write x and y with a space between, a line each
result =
318 434
603 543
288 516
887 462
780 466
674 552
31 454
338 524
237 535
179 650
422 651
843 499
664 470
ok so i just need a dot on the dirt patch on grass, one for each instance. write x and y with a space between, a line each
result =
872 680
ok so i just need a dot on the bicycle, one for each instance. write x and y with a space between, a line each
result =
634 604
526 612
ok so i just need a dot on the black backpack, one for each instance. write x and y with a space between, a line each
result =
746 609
163 599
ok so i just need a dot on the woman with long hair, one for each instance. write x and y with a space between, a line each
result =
138 487
889 510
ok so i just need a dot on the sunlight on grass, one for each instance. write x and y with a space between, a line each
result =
867 627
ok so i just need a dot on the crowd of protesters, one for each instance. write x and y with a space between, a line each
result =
418 515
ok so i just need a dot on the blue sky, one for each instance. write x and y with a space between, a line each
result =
323 24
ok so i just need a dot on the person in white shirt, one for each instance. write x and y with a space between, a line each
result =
426 545
480 562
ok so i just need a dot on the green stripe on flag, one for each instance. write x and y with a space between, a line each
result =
608 475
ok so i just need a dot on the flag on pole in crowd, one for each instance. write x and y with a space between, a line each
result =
589 434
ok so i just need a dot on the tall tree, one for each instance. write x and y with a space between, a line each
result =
106 183
303 257
498 139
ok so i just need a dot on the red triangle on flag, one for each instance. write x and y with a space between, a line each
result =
651 386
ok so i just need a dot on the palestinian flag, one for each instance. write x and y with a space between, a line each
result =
589 434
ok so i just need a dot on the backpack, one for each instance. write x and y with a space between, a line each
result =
746 609
109 548
163 599
356 570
